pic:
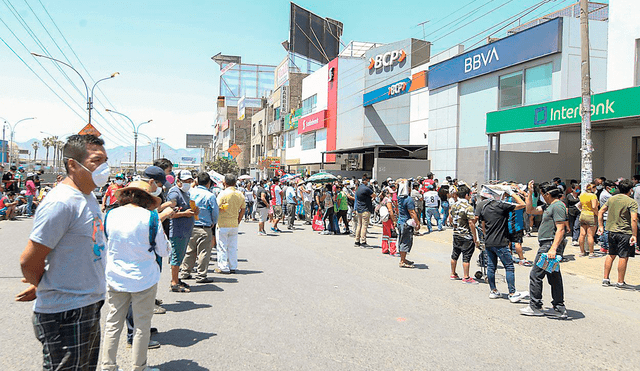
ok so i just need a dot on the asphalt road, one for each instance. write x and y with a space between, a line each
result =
302 301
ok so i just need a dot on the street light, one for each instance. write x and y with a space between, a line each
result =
135 137
86 88
153 151
12 129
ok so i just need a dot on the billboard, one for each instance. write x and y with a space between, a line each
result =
282 72
241 108
199 140
312 36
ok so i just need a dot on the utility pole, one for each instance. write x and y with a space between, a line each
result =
586 171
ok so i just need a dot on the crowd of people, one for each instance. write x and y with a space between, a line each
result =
20 192
120 245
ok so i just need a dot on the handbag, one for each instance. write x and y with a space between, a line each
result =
384 213
318 225
394 234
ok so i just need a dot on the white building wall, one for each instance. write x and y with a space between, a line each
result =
624 30
419 113
350 131
443 130
316 83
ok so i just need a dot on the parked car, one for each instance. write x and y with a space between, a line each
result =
99 192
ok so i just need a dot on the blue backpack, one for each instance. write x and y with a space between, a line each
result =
154 221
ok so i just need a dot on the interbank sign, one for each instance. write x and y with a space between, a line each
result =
605 106
536 42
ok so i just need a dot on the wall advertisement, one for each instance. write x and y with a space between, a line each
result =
312 122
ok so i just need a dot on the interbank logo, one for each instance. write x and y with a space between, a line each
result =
387 59
544 114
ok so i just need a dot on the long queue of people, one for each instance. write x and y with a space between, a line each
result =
120 248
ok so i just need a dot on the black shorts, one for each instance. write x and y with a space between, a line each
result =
462 246
515 237
619 245
405 238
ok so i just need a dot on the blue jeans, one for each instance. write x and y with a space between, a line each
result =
445 211
29 205
433 212
604 238
493 253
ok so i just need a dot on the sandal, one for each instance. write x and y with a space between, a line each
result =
178 288
405 265
525 263
183 284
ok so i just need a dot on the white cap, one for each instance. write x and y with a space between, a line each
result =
185 175
30 174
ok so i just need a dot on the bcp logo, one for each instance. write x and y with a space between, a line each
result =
398 88
387 59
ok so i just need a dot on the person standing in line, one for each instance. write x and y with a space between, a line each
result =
181 227
231 204
109 200
276 203
31 192
432 204
201 243
608 191
68 232
418 199
494 216
443 193
262 207
406 211
364 209
342 205
307 200
328 200
622 225
573 213
292 203
135 239
388 242
588 207
248 196
465 238
551 235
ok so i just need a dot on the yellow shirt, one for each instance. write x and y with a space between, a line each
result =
230 202
585 201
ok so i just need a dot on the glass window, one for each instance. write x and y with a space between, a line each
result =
291 139
309 104
510 90
276 113
537 84
309 141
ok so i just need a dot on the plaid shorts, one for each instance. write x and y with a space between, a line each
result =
70 340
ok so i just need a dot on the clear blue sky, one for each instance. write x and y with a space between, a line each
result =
162 50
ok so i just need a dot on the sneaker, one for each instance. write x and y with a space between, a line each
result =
574 243
531 311
606 282
365 246
159 310
470 281
325 233
454 277
356 244
220 271
495 294
516 297
558 311
624 286
262 233
153 344
604 251
275 230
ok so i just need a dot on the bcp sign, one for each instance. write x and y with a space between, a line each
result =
398 88
387 59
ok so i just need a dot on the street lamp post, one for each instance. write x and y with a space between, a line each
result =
135 137
153 150
12 129
86 88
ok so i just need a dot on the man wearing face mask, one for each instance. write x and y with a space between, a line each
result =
68 233
181 226
109 201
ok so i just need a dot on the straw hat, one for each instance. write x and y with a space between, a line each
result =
140 186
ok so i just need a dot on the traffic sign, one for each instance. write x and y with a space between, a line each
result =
234 150
89 130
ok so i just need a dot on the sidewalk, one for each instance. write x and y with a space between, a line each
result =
584 267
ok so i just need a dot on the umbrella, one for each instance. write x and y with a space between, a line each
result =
217 177
245 177
322 178
288 177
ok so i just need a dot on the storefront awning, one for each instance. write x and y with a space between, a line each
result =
380 148
609 109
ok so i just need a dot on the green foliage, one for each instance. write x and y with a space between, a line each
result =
224 166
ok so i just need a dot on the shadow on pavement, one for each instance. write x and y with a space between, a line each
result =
421 266
245 272
182 338
183 306
182 365
571 315
225 280
205 287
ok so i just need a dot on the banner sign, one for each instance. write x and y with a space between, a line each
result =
536 42
241 108
282 72
604 106
312 122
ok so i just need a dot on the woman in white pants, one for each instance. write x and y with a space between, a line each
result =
134 240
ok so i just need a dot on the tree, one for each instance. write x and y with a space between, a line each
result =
47 143
35 150
224 166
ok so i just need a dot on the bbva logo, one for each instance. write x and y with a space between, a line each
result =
480 60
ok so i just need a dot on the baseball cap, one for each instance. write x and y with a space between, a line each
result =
157 174
430 186
30 174
185 175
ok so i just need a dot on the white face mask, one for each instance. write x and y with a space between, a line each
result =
185 187
119 181
157 192
100 175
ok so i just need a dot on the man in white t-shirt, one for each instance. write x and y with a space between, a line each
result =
431 206
307 200
64 260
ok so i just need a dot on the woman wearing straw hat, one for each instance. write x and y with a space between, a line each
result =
135 236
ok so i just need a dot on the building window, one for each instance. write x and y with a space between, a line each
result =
529 86
276 113
253 129
291 139
309 141
309 104
636 155
537 83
